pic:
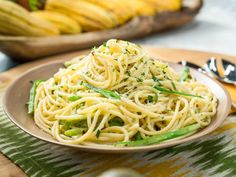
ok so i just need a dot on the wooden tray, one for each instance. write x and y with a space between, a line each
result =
30 48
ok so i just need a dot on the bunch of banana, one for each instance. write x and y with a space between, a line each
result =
65 24
15 20
91 17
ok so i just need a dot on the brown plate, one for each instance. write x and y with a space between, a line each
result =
30 48
16 97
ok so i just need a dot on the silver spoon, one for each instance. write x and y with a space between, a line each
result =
211 69
229 70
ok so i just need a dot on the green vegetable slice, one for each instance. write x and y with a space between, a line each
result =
104 92
73 132
137 136
116 122
32 96
162 137
185 74
74 98
162 89
98 133
173 85
155 79
150 98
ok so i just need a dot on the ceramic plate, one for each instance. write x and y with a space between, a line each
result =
17 94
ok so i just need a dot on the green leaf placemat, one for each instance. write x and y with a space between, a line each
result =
212 155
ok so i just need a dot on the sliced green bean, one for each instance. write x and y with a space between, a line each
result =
162 137
104 92
32 96
162 89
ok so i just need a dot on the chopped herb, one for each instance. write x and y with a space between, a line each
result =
127 51
104 44
173 85
137 136
155 79
143 74
80 82
150 98
125 79
116 122
128 72
74 98
98 133
106 93
162 89
139 80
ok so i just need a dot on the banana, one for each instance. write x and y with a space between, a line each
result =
120 10
86 24
142 8
108 7
86 11
14 16
167 5
10 30
65 24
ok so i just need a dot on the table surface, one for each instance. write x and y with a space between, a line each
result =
213 30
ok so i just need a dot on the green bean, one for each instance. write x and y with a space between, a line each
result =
162 89
162 137
185 74
73 132
104 92
32 96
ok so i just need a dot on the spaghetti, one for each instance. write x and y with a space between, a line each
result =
118 93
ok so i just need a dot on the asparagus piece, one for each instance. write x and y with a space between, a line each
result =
162 89
106 93
162 137
73 132
32 96
74 98
185 74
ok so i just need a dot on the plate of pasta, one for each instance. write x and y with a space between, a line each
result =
116 99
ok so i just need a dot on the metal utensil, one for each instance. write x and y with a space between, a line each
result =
210 68
229 70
